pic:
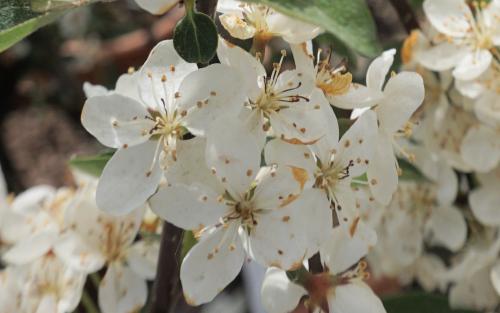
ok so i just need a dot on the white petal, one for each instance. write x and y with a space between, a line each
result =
269 239
127 85
129 178
211 265
205 99
358 96
304 121
473 64
234 155
470 88
142 257
28 249
278 293
285 154
490 15
91 90
156 6
121 290
354 298
161 75
441 57
79 254
403 94
447 227
189 207
190 166
48 304
481 148
116 120
430 270
357 145
486 109
475 292
382 173
303 58
484 204
345 249
250 69
236 26
378 69
278 185
292 30
330 135
450 17
495 277
31 200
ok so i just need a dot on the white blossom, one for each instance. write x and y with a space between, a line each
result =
175 98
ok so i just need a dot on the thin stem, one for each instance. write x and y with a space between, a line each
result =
96 280
88 303
166 285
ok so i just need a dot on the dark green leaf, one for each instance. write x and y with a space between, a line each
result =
349 20
419 302
20 18
92 165
195 38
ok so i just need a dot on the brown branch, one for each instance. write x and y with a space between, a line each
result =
165 292
406 14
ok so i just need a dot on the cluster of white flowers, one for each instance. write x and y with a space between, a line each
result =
254 164
52 239
456 146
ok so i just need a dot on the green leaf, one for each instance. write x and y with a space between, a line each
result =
92 165
349 20
419 302
20 18
195 38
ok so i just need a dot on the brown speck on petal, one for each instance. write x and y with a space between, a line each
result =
373 181
347 143
210 256
280 252
213 93
285 218
172 68
148 173
249 173
125 146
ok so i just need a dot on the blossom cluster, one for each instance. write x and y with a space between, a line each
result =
250 158
253 163
456 146
52 239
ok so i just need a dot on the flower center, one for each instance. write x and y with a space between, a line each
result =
331 80
327 176
275 97
256 16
